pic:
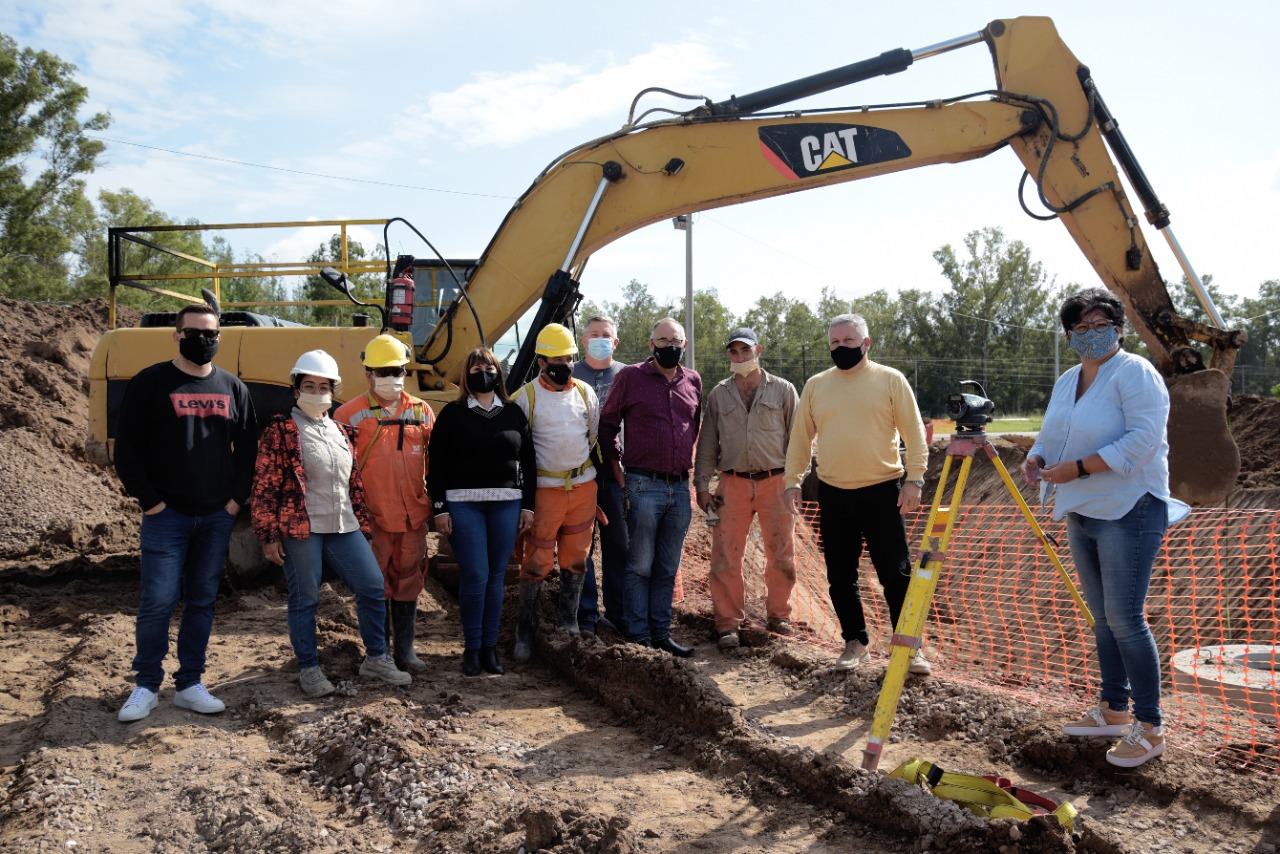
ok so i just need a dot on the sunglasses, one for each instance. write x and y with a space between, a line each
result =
396 371
191 334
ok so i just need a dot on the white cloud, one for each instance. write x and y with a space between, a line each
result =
505 110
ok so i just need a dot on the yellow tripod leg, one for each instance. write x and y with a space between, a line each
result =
924 580
1044 538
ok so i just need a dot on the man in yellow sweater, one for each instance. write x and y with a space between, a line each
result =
857 410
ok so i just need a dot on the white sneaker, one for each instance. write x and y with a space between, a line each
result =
384 669
920 665
198 699
855 653
138 706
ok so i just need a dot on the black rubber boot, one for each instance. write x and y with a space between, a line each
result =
404 617
570 592
527 623
471 662
389 628
489 661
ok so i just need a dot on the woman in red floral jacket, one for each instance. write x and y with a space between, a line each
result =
308 509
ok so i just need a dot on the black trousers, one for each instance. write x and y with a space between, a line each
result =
846 517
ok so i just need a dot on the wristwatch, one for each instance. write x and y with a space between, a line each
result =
1080 472
919 483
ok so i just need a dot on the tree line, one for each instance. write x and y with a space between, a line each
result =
995 320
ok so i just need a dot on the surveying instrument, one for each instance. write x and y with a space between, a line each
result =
971 413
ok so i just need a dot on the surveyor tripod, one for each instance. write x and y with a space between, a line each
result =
924 580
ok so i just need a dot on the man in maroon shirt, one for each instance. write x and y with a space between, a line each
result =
660 403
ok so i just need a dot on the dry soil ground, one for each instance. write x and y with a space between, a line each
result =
596 746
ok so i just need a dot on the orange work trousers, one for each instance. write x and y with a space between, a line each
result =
402 557
563 524
740 499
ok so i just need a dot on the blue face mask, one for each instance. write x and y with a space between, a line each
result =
600 348
1096 343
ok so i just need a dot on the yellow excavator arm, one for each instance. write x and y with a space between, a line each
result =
1045 108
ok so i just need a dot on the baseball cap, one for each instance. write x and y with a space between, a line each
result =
745 334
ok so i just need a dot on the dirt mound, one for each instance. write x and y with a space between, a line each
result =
57 505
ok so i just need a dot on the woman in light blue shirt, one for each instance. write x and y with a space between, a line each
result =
1103 453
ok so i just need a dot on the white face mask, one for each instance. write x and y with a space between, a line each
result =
315 405
387 387
744 368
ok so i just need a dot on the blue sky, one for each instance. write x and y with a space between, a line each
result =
444 113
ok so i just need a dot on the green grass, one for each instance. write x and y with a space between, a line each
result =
1029 424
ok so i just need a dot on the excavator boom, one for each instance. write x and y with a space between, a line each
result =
1045 108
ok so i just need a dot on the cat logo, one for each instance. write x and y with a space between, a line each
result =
805 150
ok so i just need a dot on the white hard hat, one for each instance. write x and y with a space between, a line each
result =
316 363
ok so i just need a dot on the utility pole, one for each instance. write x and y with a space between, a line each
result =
684 223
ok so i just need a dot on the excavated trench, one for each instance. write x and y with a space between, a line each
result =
714 753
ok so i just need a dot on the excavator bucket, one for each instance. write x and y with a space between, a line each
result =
1204 461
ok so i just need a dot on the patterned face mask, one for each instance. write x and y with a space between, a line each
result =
1096 343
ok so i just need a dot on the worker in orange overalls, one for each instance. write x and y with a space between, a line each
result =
564 417
392 431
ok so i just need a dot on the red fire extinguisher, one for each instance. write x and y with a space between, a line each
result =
400 303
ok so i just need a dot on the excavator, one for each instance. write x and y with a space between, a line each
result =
1045 108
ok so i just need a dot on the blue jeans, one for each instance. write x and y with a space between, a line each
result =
1114 559
613 558
656 524
182 560
484 535
352 558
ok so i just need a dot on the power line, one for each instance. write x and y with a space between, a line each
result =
1003 323
397 185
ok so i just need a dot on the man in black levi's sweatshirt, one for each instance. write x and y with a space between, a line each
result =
185 447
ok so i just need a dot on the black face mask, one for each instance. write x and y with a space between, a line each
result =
198 350
846 357
481 381
668 357
559 374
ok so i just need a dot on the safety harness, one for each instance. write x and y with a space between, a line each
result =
375 406
569 475
986 796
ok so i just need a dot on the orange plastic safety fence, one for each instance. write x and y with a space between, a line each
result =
1002 618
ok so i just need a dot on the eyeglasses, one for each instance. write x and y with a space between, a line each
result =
311 387
668 342
1093 327
191 333
395 371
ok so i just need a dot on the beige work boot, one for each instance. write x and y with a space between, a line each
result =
314 683
385 670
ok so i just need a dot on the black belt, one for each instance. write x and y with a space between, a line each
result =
756 475
657 475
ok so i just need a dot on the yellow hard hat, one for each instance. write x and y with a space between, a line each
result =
555 340
385 351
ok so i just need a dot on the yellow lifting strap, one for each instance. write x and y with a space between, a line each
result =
987 797
569 475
